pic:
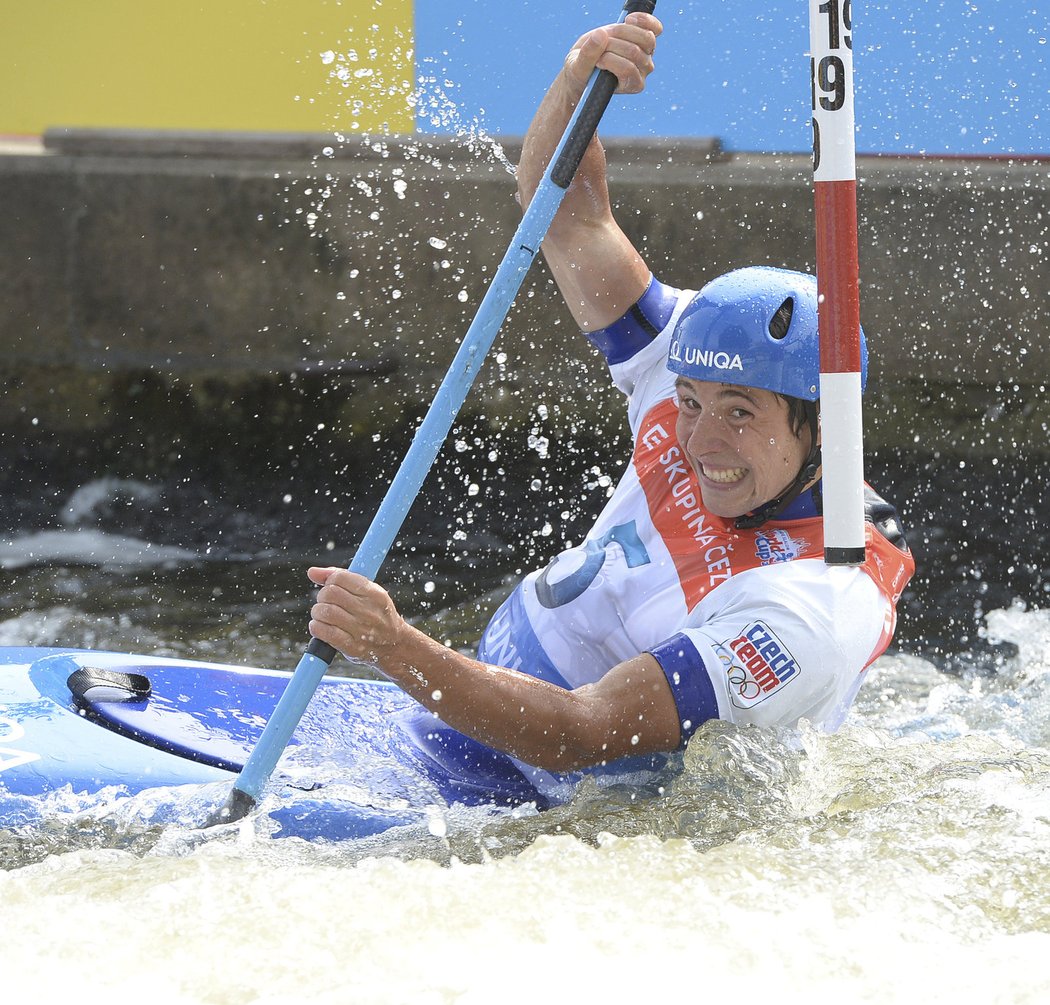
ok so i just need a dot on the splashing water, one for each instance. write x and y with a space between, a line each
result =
920 830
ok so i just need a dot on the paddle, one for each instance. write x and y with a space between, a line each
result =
435 425
838 309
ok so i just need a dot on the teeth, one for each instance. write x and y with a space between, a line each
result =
724 475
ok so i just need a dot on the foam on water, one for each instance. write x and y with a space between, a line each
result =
82 546
905 858
96 497
68 626
615 921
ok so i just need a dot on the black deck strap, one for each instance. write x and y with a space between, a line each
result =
118 686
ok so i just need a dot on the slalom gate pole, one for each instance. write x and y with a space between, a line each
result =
435 426
838 312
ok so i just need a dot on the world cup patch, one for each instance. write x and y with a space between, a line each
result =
777 545
756 663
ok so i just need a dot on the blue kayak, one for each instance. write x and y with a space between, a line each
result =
83 729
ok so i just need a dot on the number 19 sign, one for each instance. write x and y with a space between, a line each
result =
835 194
831 76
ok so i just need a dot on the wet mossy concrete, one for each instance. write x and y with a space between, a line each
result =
257 296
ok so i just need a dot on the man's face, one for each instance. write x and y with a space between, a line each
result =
739 442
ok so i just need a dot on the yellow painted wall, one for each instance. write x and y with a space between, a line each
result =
219 65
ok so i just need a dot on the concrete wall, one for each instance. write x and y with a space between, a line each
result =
218 272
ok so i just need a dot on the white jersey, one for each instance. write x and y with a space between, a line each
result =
748 625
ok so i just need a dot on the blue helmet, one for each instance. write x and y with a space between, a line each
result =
757 327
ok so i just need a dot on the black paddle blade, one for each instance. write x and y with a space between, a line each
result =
237 806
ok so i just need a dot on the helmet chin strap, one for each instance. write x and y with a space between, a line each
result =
806 474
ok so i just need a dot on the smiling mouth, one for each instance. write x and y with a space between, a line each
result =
723 476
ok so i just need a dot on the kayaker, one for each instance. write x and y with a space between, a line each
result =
701 591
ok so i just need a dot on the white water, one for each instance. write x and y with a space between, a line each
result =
79 542
904 859
82 546
628 921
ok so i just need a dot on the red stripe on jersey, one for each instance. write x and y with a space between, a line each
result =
707 550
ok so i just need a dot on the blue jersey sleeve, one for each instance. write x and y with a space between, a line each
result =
694 694
639 326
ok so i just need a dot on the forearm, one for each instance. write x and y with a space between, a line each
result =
502 708
537 722
587 196
598 270
629 710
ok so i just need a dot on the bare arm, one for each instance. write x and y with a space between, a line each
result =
629 711
598 270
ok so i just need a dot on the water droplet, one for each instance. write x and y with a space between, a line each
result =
437 827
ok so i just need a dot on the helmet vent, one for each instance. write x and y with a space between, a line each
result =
780 322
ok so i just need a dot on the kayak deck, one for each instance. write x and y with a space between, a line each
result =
84 721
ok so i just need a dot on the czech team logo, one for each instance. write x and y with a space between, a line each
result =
757 664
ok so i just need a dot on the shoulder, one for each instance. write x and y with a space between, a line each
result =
635 347
805 588
890 563
787 641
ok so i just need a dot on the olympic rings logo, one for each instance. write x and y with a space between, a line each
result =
745 685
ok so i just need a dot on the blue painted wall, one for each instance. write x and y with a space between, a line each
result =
932 76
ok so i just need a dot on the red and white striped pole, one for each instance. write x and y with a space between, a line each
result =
838 316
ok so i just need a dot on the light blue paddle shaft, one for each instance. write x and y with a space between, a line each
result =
438 421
